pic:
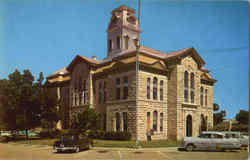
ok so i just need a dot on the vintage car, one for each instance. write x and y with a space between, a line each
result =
244 140
72 142
209 141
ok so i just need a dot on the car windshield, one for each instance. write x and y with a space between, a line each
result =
67 137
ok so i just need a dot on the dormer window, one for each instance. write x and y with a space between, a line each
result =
110 45
118 41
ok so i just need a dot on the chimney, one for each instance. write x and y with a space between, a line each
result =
93 57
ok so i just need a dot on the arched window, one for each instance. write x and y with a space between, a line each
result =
126 42
205 97
192 82
110 46
104 92
118 88
161 90
100 93
161 122
201 95
148 88
125 121
118 121
125 87
148 122
186 86
155 119
84 91
118 42
155 81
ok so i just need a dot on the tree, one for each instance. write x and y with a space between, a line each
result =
216 107
86 120
49 111
219 117
242 117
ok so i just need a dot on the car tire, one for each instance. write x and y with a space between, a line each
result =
77 149
190 147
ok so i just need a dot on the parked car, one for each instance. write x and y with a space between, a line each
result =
72 142
5 133
209 141
244 140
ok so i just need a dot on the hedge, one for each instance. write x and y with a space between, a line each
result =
111 135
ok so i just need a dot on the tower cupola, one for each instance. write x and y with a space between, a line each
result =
123 28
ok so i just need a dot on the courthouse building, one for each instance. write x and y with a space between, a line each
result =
175 91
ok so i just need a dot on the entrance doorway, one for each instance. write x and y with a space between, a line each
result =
189 126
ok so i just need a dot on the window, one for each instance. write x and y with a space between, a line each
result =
118 120
155 88
84 92
148 88
192 87
126 42
118 41
216 136
155 121
100 93
110 45
104 121
161 122
125 87
201 95
161 90
186 86
148 122
205 97
104 92
125 121
118 88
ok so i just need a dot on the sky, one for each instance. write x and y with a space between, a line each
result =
45 35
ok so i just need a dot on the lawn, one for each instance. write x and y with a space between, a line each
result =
107 143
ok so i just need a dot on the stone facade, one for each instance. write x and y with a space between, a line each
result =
166 104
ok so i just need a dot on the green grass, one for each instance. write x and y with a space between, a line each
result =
131 144
36 141
107 143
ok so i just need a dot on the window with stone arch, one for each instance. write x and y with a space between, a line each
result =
192 84
104 92
118 89
155 81
161 90
155 119
100 93
201 95
126 42
118 121
206 97
110 46
84 92
161 122
186 86
125 87
118 42
148 88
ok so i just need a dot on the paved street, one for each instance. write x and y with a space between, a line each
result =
27 152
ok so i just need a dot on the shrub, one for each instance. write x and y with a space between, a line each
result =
50 134
111 135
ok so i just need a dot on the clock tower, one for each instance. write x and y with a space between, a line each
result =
122 30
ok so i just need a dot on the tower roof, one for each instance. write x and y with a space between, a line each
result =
124 7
